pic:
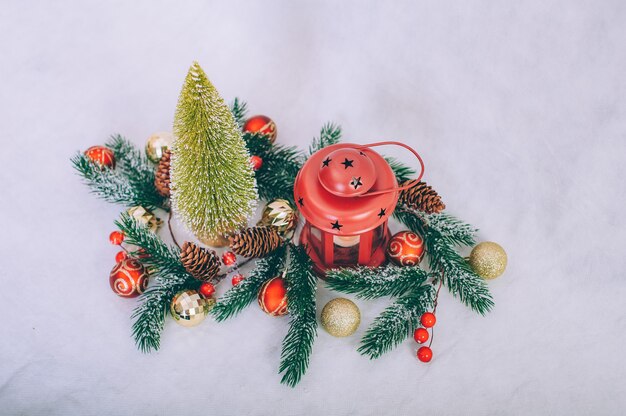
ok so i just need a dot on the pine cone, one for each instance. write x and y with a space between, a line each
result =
162 175
201 263
421 197
256 241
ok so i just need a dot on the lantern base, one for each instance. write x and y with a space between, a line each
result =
378 258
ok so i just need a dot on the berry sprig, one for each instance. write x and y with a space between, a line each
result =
230 259
421 335
117 239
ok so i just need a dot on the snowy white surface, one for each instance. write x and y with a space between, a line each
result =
518 108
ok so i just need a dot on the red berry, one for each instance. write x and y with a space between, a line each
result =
420 335
256 162
428 320
229 258
121 255
206 289
237 279
116 237
424 354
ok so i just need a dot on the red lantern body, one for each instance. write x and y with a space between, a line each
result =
346 193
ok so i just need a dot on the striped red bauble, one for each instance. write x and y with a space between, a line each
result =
129 278
405 248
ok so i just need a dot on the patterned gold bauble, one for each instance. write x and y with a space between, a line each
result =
281 215
189 308
145 217
341 317
488 260
157 144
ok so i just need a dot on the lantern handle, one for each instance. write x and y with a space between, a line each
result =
398 188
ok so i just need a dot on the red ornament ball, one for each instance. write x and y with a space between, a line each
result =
406 249
428 320
425 354
261 124
420 335
206 289
238 278
273 297
129 278
121 255
256 162
116 237
101 155
229 258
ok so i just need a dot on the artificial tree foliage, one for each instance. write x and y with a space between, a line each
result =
212 182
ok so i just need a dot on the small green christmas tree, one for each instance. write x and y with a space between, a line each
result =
213 186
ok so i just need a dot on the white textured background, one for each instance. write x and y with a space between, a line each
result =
519 109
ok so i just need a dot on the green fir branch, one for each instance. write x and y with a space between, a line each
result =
239 297
149 316
459 278
168 277
298 343
239 108
280 166
116 186
397 322
329 135
372 283
131 161
453 230
403 173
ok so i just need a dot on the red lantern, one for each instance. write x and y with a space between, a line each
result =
346 193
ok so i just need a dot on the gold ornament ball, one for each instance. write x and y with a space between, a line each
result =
281 215
488 260
157 144
145 217
341 317
189 308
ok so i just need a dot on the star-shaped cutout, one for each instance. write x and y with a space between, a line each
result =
347 163
336 225
382 212
326 162
301 201
356 182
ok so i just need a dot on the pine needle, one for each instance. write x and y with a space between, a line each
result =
329 135
298 343
376 282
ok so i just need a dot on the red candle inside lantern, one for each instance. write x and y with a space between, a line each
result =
346 193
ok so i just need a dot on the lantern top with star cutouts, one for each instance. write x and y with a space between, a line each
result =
331 190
